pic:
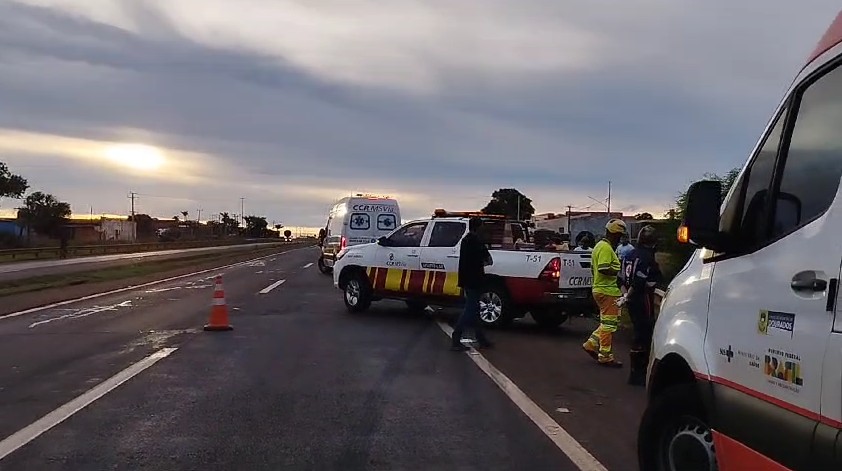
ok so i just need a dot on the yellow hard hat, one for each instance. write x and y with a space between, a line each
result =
616 226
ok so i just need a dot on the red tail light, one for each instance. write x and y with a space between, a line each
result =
344 243
552 272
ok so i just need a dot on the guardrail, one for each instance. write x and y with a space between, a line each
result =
108 249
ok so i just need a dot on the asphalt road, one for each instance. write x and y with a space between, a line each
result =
298 384
14 270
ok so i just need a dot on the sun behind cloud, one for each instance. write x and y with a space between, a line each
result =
136 156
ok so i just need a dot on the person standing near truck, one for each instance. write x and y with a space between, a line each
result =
606 292
639 276
473 258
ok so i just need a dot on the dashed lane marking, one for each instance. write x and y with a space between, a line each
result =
274 285
35 429
562 439
308 265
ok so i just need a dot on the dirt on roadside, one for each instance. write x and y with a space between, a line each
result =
43 297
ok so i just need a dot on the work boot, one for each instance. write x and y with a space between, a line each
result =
638 362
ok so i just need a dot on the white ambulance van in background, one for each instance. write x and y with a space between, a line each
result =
359 219
746 365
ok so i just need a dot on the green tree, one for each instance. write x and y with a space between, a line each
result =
643 217
507 201
288 234
256 226
44 213
727 181
145 225
229 224
11 185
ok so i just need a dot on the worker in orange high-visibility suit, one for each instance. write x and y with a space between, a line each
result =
606 293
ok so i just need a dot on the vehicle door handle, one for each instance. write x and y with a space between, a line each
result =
452 256
807 281
413 255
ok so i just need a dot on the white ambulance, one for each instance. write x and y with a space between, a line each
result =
359 219
746 364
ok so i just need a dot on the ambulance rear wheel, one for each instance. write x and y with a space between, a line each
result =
357 293
674 434
324 268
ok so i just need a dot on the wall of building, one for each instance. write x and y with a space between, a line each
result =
118 230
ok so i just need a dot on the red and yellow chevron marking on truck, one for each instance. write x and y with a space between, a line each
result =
435 283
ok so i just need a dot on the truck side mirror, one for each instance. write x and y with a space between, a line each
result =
383 241
700 226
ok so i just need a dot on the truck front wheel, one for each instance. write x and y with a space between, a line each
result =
357 293
674 434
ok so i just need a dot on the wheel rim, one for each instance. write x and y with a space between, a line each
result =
352 292
690 447
490 307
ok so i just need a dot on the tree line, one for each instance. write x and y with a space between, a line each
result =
46 215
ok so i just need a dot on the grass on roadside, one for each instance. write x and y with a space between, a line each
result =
40 283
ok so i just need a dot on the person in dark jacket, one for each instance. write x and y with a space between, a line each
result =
638 277
473 258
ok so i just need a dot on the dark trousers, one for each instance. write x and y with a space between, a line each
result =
469 319
643 322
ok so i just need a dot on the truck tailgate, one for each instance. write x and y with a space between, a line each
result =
576 270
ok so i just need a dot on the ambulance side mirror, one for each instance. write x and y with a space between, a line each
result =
700 226
383 241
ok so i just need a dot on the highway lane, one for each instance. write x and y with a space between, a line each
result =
16 270
299 384
49 357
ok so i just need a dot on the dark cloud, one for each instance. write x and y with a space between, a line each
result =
661 102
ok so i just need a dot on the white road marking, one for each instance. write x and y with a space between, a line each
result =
308 265
144 285
562 439
272 286
80 313
35 429
161 290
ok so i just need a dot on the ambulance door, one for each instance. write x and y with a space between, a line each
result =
440 258
768 325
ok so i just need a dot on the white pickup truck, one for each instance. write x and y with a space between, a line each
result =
419 263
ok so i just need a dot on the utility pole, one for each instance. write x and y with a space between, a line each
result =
199 217
518 206
242 211
609 198
132 196
569 210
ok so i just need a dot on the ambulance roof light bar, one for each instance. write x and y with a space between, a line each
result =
372 196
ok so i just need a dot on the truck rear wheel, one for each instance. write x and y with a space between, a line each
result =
495 307
548 318
674 434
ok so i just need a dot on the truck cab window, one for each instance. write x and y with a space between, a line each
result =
447 234
813 164
408 236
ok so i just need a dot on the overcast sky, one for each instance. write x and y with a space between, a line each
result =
294 104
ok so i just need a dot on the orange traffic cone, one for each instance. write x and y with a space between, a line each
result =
219 312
